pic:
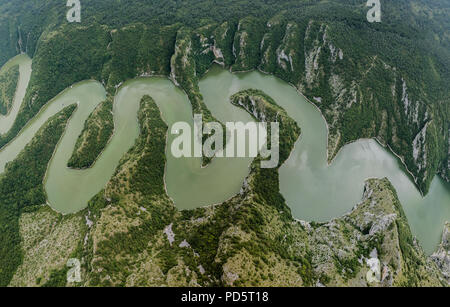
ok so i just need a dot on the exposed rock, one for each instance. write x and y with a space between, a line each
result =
368 246
420 149
442 256
169 233
48 240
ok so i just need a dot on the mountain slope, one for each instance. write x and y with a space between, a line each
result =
387 80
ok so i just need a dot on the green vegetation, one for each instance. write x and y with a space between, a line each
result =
138 238
259 103
282 52
8 85
96 133
155 50
147 156
224 38
58 64
137 191
57 279
134 236
271 40
48 240
186 71
247 41
386 80
21 187
133 222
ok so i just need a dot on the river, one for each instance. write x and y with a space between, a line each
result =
313 189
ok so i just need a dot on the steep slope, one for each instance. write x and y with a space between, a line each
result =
246 46
58 64
48 240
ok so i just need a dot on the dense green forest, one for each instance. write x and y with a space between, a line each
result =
266 108
8 86
58 70
96 133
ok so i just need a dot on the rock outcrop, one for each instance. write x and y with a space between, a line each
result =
442 256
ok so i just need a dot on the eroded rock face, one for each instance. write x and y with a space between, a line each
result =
371 246
442 256
445 168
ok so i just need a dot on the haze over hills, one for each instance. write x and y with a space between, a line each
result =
385 80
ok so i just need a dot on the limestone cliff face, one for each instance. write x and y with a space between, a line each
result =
442 256
247 42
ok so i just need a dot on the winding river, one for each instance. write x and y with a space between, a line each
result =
313 190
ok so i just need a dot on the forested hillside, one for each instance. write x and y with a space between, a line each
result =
387 80
8 86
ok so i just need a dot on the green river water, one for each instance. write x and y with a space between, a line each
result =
313 190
